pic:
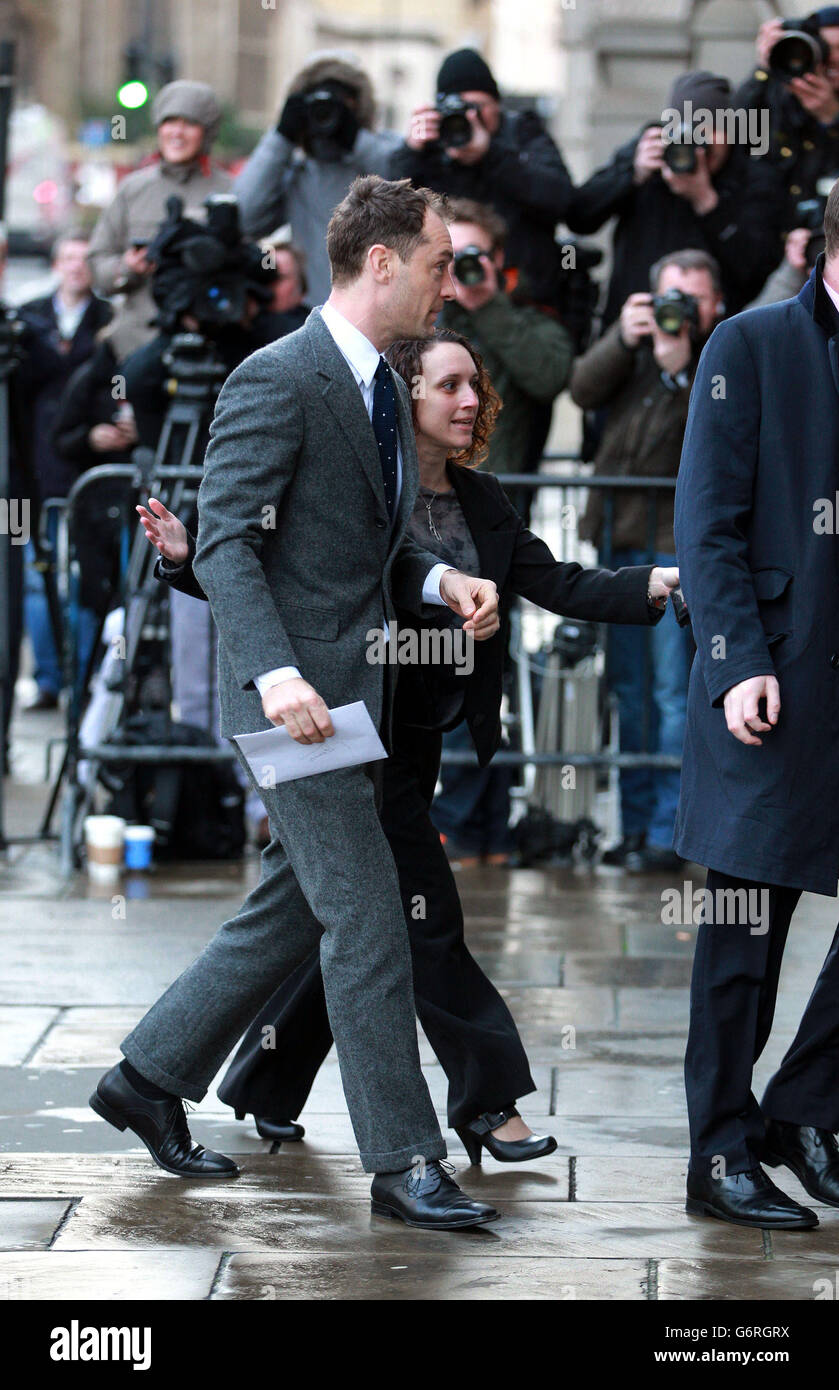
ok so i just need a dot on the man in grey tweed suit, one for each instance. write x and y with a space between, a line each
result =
302 550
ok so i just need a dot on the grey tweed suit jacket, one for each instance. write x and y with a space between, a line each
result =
295 550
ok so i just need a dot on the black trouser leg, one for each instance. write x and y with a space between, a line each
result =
281 1053
464 1017
805 1088
733 992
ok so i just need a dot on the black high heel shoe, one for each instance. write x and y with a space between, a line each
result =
478 1135
275 1131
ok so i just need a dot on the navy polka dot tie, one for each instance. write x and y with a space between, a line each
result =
384 428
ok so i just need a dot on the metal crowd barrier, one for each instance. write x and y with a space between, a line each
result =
178 487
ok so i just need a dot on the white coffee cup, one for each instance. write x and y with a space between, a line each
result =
104 841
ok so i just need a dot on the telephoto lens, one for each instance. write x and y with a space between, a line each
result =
468 266
800 51
672 309
455 126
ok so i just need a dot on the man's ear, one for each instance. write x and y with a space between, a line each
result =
380 259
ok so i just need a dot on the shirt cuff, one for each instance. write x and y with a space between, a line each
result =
431 587
282 673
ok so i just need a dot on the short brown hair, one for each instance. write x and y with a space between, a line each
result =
406 358
483 216
378 211
831 223
691 259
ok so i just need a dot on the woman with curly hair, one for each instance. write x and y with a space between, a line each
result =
462 515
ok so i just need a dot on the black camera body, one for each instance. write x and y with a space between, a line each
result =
674 308
324 112
468 266
455 126
800 51
206 270
680 152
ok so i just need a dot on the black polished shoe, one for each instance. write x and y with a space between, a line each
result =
654 859
162 1126
811 1154
630 844
45 700
478 1135
747 1199
427 1197
278 1131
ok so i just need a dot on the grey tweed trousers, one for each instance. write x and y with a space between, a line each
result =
327 876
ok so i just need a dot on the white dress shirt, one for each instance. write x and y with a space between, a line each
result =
834 295
362 358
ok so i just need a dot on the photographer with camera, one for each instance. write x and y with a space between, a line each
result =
727 203
642 369
528 355
302 169
187 117
467 146
526 351
796 85
214 290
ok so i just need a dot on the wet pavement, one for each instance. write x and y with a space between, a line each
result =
599 988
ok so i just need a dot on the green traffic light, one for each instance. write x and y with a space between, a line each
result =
133 94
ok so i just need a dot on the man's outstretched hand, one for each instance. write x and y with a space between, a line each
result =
474 599
741 708
296 705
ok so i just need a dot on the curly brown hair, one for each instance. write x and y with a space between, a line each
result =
406 357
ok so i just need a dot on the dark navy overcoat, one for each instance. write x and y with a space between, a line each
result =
757 513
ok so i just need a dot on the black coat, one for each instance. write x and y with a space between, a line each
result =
523 177
743 232
520 563
44 373
761 449
800 147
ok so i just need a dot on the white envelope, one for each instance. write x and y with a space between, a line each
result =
274 756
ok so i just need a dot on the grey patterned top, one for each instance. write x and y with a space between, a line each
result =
455 545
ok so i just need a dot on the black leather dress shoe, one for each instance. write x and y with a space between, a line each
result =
654 859
630 844
478 1135
278 1131
747 1199
162 1126
428 1198
811 1154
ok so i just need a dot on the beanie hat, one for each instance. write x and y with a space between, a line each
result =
827 17
466 71
703 90
193 101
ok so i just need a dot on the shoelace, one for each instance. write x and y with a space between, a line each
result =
436 1167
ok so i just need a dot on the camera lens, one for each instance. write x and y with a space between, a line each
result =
796 55
468 266
680 157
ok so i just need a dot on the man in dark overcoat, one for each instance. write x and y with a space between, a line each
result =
755 527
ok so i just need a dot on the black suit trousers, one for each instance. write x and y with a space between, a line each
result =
733 991
464 1017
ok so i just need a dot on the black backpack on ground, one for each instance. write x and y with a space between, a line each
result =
197 809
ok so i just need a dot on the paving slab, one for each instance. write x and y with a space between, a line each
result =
428 1277
786 1280
21 1028
27 1224
292 1172
237 1220
65 1276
